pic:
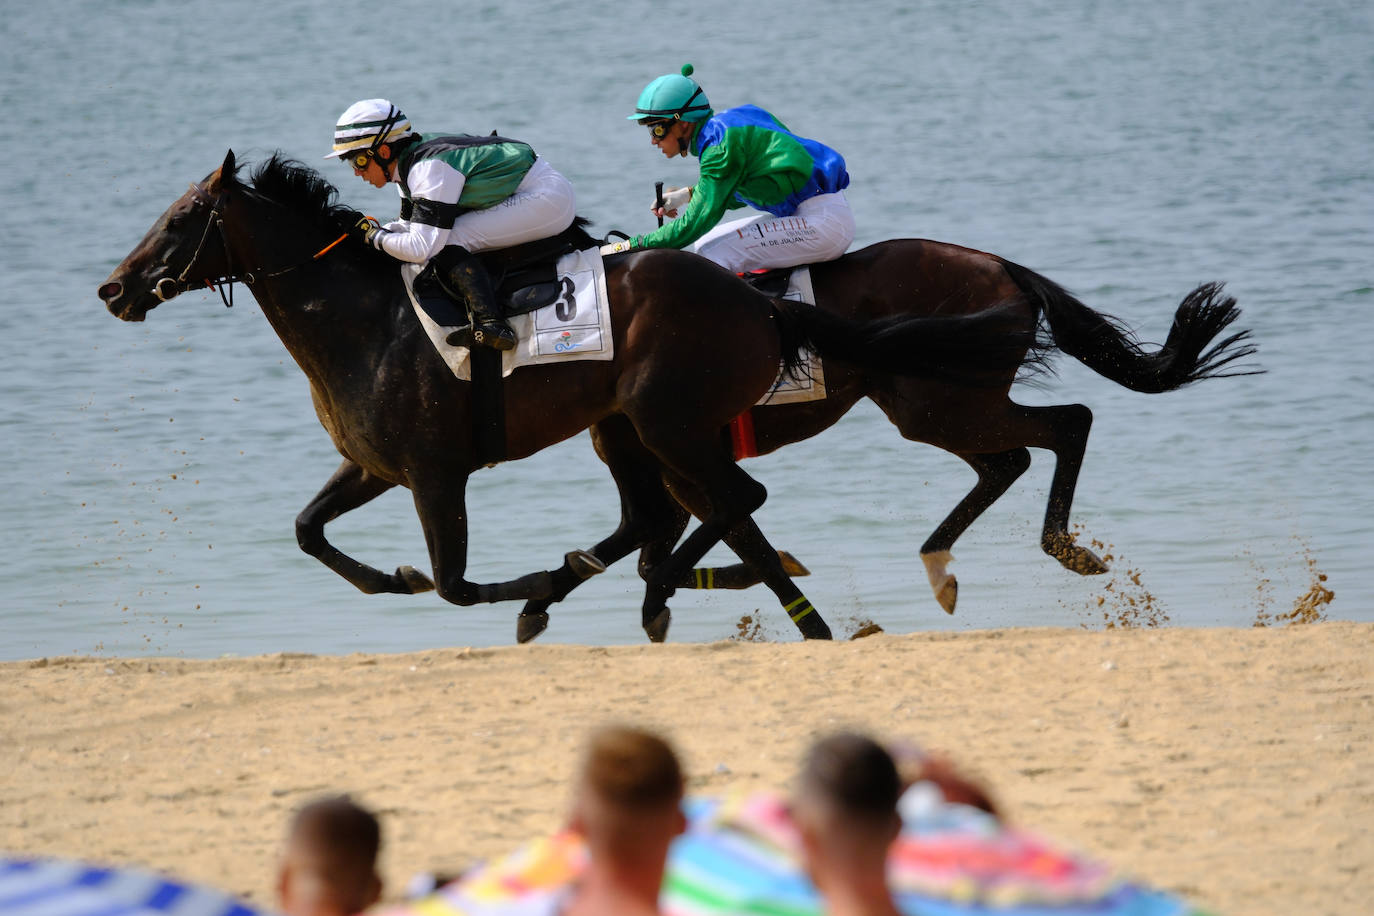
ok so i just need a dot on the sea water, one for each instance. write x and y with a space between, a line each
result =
1127 150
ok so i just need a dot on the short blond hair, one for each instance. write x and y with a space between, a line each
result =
632 769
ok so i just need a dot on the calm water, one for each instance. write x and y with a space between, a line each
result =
1128 150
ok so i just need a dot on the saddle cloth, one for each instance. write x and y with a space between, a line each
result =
810 386
577 325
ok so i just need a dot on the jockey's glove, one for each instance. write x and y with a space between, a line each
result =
366 229
675 200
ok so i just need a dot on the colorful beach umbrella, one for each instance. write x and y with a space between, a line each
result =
740 856
54 887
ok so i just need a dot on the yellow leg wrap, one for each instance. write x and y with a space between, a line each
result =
706 576
798 609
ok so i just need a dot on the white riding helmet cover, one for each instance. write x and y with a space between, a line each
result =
367 125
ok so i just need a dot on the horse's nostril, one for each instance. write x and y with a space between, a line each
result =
109 291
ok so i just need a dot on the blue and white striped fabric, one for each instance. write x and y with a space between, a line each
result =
52 887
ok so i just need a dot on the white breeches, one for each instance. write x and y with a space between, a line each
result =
820 230
542 205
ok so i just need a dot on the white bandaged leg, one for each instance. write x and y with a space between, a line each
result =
542 205
820 230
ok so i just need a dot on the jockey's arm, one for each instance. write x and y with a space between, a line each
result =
435 187
713 194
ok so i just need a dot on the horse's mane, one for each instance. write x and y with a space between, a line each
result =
296 185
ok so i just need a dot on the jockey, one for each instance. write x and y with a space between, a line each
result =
748 157
459 194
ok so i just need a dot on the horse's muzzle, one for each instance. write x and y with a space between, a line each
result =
125 308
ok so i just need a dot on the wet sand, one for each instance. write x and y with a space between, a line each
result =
1235 767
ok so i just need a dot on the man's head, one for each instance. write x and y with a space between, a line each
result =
366 137
671 107
845 802
629 791
329 864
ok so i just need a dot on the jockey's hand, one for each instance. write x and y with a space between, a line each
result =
365 229
674 199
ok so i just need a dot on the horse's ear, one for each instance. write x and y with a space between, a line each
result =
225 176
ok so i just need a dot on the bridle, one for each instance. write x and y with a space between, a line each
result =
169 288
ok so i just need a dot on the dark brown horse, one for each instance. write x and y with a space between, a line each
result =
399 416
978 423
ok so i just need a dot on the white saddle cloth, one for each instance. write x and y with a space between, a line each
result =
811 385
575 326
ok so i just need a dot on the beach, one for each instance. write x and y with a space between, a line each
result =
1231 766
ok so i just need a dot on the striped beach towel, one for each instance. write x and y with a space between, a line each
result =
51 887
739 856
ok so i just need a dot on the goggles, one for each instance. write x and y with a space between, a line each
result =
358 160
659 129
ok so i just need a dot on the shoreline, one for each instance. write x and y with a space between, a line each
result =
1234 767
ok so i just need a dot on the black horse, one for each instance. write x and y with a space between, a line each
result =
977 422
399 416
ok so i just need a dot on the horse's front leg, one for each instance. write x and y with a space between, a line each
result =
350 487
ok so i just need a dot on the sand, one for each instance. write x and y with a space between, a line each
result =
1234 767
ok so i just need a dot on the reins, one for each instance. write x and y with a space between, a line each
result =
168 288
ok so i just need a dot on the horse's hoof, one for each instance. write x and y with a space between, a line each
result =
1086 563
414 580
528 626
791 565
583 564
942 581
947 594
658 627
1075 559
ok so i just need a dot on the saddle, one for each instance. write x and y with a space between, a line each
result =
525 277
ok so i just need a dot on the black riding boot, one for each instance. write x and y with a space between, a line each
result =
465 277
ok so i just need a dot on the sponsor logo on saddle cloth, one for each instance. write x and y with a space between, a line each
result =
577 325
810 383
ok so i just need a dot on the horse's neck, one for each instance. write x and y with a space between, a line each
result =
336 319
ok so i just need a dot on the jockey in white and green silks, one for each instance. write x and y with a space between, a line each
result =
748 158
459 194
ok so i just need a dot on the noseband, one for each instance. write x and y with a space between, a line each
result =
168 288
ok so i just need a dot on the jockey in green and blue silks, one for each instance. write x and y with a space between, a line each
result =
459 194
748 158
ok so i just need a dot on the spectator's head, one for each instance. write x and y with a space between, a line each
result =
329 864
845 806
629 793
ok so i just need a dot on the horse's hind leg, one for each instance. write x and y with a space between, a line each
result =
1066 433
697 457
1062 429
996 473
350 487
647 516
761 564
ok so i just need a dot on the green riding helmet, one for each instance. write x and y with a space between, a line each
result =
673 96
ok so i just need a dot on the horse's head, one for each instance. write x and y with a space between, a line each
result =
183 250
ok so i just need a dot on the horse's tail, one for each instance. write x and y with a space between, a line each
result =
1105 345
986 348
